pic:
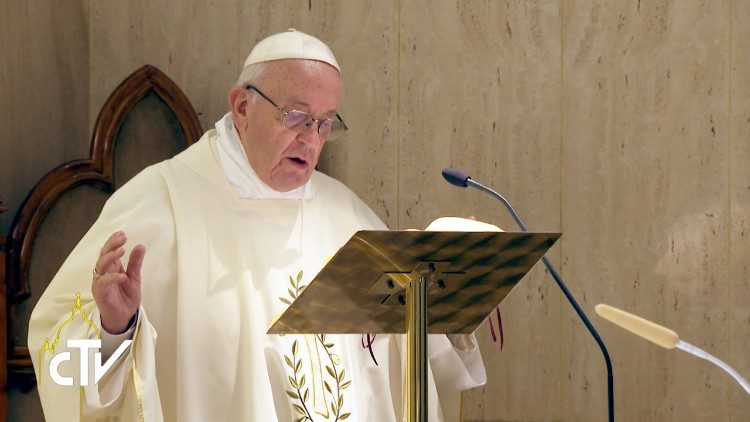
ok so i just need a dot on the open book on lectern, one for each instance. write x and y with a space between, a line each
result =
471 267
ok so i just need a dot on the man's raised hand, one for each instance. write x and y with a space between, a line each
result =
117 291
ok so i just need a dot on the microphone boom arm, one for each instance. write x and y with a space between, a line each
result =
566 292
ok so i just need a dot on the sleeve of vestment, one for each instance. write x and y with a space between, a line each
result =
456 365
142 209
110 342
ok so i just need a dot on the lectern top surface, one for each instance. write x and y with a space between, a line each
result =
358 290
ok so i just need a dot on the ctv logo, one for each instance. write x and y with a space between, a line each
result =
84 347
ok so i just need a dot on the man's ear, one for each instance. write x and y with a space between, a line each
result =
238 101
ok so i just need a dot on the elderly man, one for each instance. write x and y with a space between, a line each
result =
228 233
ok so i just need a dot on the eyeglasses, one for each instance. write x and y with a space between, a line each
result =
302 123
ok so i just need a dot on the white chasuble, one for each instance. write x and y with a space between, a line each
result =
217 270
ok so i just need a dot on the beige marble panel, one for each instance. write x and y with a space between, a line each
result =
739 179
116 44
645 209
43 80
480 89
194 43
363 36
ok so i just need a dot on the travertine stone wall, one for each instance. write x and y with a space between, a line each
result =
739 202
44 104
480 90
625 125
645 191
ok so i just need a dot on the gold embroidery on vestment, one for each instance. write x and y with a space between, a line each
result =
327 397
319 402
51 348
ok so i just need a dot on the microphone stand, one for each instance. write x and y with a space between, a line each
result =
568 295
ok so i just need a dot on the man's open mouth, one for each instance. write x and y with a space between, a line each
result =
298 160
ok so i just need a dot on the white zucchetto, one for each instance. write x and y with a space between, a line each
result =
291 44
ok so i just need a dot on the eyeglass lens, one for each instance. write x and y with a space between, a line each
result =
300 122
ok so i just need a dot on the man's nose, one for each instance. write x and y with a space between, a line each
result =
312 135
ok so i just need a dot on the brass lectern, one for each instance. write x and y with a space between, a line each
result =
413 282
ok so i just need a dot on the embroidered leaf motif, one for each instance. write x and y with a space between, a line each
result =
297 383
334 369
338 375
294 291
330 371
334 409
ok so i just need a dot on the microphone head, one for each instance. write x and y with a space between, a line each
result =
662 336
455 176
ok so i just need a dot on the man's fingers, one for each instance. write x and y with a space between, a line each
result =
106 280
136 261
115 241
104 264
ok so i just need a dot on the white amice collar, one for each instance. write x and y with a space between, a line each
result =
238 171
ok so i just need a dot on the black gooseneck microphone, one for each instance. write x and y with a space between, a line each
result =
462 179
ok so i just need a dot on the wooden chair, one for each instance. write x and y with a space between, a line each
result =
147 119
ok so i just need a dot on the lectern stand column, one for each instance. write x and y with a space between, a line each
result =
416 336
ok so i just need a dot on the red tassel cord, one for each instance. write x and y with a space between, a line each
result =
499 328
367 341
